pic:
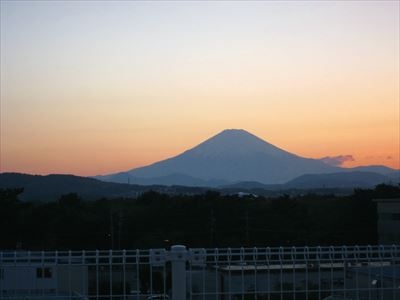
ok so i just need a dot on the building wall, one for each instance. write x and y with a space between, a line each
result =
388 221
27 279
283 281
43 279
73 278
211 284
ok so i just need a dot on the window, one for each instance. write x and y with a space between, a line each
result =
1 273
43 273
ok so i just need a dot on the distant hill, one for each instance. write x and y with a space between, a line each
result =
228 157
394 176
341 180
51 187
168 180
338 180
252 185
375 169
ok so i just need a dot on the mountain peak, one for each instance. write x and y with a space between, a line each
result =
234 131
233 155
235 142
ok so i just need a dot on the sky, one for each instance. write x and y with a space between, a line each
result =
96 87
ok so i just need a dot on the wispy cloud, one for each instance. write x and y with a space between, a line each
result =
337 160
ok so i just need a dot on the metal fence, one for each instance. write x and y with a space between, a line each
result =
309 273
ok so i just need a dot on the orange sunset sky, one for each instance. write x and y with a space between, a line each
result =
93 87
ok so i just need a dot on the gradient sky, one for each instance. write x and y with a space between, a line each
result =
96 87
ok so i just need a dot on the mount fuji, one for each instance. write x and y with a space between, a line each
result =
234 155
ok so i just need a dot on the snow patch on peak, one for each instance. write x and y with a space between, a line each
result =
236 142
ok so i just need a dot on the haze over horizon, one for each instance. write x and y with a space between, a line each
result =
95 87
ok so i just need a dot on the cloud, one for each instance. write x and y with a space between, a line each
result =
337 160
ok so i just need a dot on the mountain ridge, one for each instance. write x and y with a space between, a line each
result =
233 155
51 187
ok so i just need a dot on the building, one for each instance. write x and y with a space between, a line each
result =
388 221
333 281
276 273
41 279
45 275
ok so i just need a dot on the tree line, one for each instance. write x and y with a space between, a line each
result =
157 220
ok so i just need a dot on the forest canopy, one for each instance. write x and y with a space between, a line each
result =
157 220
